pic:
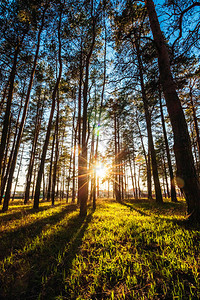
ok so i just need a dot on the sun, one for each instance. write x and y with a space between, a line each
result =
101 171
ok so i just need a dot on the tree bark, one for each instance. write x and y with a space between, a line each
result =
83 178
116 162
6 121
19 136
56 156
196 127
17 177
171 173
131 170
158 192
50 169
71 153
45 146
33 151
186 172
79 122
74 167
4 96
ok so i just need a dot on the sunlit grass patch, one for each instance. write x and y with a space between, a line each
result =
132 250
128 255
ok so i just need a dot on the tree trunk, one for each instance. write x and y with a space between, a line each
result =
56 156
74 167
100 112
196 127
149 182
4 96
158 192
44 187
21 128
45 146
17 177
165 174
116 163
80 122
33 151
50 169
6 121
171 173
148 163
71 154
5 178
83 179
5 164
186 173
131 170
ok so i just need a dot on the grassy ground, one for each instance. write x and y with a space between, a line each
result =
134 250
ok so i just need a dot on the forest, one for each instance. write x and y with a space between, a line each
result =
99 149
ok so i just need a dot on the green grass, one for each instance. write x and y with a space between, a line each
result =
134 250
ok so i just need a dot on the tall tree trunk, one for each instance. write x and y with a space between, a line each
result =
21 127
131 170
93 159
79 122
5 163
83 179
56 156
148 162
50 169
45 146
158 192
196 127
6 121
149 182
119 160
17 177
194 147
100 112
4 96
74 167
171 173
44 187
116 161
186 172
165 174
33 152
71 153
5 178
122 174
34 182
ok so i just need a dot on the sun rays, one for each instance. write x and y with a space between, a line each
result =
101 170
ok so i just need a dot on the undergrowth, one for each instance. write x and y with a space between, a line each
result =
129 250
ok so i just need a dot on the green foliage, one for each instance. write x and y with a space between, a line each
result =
133 250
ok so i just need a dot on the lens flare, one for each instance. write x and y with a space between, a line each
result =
101 171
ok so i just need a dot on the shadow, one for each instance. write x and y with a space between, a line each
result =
24 211
186 224
16 239
133 208
42 269
56 284
164 208
160 211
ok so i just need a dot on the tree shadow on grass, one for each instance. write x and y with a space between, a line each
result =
55 285
173 210
133 208
16 239
186 224
22 212
165 208
40 272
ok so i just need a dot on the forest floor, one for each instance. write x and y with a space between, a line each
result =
132 250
